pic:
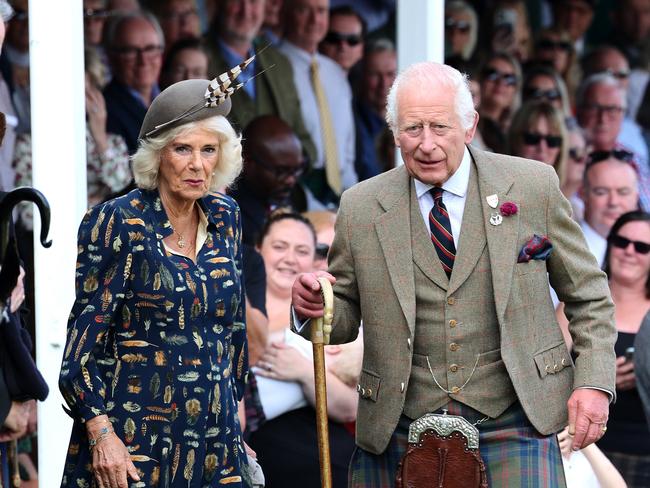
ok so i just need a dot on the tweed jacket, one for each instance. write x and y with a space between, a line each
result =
275 92
374 267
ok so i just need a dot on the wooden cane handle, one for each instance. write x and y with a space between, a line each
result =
322 326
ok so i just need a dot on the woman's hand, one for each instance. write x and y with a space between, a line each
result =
96 115
565 442
283 362
18 293
111 461
15 425
625 377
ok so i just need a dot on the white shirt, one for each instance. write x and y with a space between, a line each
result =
339 96
597 243
453 196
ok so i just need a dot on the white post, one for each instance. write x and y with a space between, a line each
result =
59 171
420 35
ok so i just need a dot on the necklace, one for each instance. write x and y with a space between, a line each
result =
181 240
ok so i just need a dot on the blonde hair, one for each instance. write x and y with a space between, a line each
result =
146 161
320 219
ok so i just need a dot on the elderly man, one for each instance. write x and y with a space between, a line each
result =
444 261
609 189
230 41
600 110
378 72
325 98
134 44
273 162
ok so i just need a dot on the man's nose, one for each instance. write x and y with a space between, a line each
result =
428 140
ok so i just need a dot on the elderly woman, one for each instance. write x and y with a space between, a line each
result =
538 132
155 359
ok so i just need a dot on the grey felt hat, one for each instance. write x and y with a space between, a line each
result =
179 104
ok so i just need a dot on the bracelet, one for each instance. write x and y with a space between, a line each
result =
104 432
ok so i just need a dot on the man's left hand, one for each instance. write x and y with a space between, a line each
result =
588 412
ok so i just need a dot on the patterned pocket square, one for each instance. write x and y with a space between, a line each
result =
539 247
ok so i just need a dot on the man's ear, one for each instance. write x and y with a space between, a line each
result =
469 133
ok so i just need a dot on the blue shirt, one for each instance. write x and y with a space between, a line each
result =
232 59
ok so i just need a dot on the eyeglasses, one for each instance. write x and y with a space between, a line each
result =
619 75
620 154
609 111
533 139
131 53
548 44
459 25
578 155
96 13
537 94
281 172
352 40
321 250
623 242
495 75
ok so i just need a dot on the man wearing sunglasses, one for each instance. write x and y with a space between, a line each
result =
345 39
609 189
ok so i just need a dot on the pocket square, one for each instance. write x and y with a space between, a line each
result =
539 247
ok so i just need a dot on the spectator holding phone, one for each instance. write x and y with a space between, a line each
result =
627 264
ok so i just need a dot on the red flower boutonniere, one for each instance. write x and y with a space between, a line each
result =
508 209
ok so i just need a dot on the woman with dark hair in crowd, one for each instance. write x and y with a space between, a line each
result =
554 48
500 81
542 83
286 443
627 264
538 132
186 59
461 30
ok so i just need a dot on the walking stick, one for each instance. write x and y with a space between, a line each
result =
320 335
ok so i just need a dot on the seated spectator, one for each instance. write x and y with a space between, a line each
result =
179 19
272 27
461 30
500 81
273 163
325 99
600 111
378 72
345 38
121 7
509 30
631 31
95 16
286 444
538 132
609 189
575 168
8 121
555 49
608 59
642 366
16 53
232 39
135 43
323 222
543 83
627 264
187 59
574 16
107 158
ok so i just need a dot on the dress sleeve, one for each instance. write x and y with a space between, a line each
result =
239 342
114 163
102 271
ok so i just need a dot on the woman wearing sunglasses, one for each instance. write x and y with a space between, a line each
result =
554 48
538 132
627 264
544 84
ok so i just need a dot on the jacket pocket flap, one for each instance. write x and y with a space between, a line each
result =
368 387
553 360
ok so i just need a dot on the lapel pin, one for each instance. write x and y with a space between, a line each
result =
492 200
496 219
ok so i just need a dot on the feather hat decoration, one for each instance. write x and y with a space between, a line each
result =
192 100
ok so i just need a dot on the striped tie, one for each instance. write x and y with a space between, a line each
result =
441 235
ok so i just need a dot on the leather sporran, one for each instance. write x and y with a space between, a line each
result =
442 453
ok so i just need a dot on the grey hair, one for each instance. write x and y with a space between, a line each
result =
379 45
113 26
461 6
6 11
429 76
602 78
146 161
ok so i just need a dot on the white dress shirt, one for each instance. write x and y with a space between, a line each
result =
453 196
597 243
339 96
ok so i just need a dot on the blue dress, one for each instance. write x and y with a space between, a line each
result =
158 343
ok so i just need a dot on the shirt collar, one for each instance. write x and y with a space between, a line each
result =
458 182
231 57
299 52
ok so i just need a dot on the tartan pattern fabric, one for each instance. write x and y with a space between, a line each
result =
515 454
634 468
440 227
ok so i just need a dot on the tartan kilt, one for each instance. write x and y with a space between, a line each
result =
515 454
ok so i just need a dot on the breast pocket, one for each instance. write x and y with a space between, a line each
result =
532 266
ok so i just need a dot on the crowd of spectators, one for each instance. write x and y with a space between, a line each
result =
565 82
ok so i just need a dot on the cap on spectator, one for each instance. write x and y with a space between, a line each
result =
191 101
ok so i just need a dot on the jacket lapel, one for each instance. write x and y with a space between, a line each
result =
501 239
472 235
394 231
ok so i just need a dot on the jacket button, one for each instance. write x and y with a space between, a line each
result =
548 368
451 300
556 367
455 390
363 392
453 368
401 387
564 362
408 343
454 347
368 393
358 388
453 323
